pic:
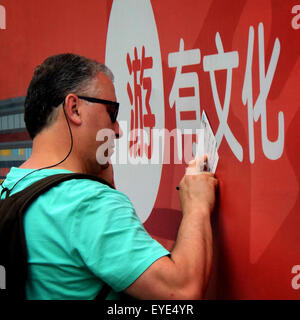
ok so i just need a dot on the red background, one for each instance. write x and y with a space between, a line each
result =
257 212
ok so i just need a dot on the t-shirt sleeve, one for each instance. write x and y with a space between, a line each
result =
111 239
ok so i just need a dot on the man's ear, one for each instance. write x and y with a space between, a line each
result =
71 106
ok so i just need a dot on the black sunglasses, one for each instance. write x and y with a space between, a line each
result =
113 115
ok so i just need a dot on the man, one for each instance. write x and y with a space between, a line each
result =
81 233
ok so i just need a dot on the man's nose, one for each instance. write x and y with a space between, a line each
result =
118 130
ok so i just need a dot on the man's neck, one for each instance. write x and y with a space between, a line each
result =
48 151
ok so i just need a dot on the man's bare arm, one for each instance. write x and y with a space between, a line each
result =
186 273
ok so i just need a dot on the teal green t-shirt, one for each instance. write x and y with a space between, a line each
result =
80 234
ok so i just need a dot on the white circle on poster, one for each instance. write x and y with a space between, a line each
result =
133 54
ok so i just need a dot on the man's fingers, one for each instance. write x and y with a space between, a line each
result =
197 165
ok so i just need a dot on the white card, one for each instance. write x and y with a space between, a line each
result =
210 144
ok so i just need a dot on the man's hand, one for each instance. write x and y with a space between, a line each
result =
197 188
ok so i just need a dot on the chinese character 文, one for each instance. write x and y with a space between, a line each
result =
139 96
184 95
223 61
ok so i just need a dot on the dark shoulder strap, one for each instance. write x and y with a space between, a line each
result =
30 193
103 292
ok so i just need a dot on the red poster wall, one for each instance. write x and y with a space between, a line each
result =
243 61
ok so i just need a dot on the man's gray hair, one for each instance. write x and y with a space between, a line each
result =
52 81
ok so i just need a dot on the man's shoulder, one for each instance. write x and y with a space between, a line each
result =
90 197
90 189
83 188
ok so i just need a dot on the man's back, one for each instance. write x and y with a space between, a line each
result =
78 233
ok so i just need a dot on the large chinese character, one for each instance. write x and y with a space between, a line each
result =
141 88
184 94
223 61
272 149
